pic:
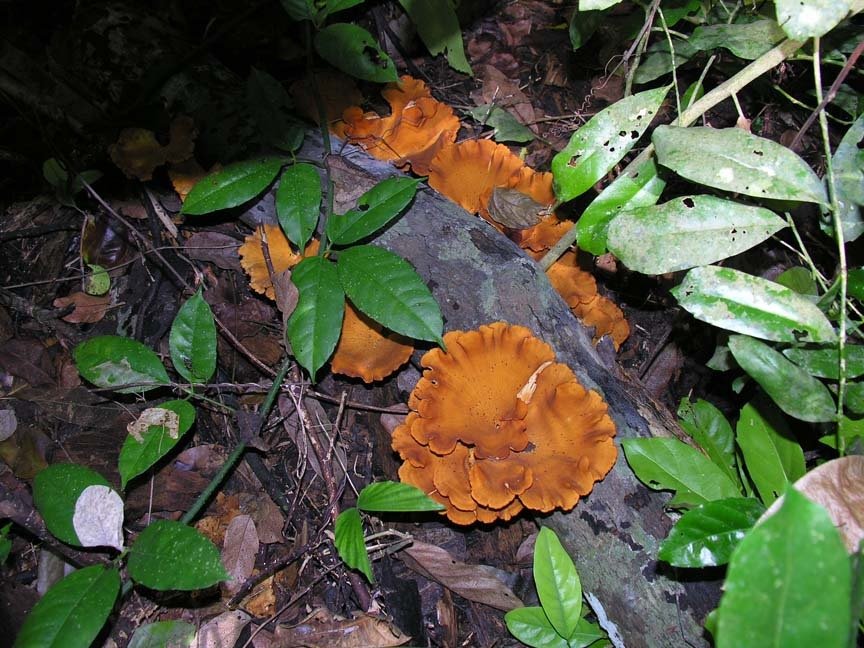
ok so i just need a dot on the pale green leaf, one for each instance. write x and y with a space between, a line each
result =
848 167
530 626
739 302
163 634
804 19
506 128
557 582
231 186
601 143
686 232
793 390
824 362
745 40
192 340
734 160
598 5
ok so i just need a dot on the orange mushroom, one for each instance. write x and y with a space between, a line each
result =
365 350
458 442
282 256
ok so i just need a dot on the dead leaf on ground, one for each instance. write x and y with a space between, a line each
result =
239 551
222 631
8 423
497 88
137 153
89 309
214 247
323 629
476 583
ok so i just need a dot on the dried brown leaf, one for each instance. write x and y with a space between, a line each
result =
239 551
89 309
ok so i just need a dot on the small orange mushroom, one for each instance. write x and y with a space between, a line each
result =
282 256
458 442
365 350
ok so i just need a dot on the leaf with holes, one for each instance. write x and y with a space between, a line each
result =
353 50
734 160
112 361
601 143
737 301
298 203
375 208
686 232
386 288
232 186
316 323
192 340
794 391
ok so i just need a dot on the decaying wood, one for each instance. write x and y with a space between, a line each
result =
479 277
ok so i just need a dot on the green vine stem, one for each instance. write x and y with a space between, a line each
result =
731 86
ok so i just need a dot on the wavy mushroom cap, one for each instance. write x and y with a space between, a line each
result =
366 350
569 441
282 256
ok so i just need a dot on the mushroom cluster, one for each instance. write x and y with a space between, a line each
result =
496 425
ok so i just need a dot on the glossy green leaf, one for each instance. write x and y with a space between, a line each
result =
163 634
192 340
687 231
348 538
772 456
506 128
788 582
557 582
707 426
270 106
386 288
438 27
740 302
706 535
745 40
793 390
630 190
669 464
805 19
56 490
848 167
531 626
395 497
72 613
315 325
298 203
112 361
601 143
231 186
353 50
170 555
375 208
658 59
138 456
734 160
824 362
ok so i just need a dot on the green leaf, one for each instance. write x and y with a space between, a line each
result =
298 203
601 143
335 6
586 5
348 538
799 279
438 27
788 582
231 186
299 9
824 362
375 208
734 160
386 288
854 400
855 280
98 282
138 456
583 25
5 542
772 458
163 634
112 361
739 302
170 555
55 173
353 50
72 613
630 190
56 490
270 106
506 128
707 426
530 626
669 464
395 497
557 582
848 167
706 535
686 232
745 40
315 325
192 340
804 19
793 390
658 59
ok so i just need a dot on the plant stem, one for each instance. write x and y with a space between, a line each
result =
732 85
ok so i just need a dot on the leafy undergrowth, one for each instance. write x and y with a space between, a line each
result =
203 389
